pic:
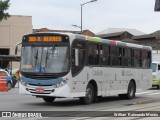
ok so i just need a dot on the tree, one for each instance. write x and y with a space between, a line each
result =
4 5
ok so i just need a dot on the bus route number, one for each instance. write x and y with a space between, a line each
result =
97 72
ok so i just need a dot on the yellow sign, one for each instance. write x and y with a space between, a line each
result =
45 39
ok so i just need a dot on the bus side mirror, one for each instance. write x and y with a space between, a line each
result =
16 49
76 57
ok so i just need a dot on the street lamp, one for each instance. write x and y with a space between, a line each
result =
81 10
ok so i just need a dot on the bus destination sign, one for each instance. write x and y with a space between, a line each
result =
44 39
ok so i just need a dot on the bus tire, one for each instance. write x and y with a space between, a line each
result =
157 86
131 91
88 99
49 99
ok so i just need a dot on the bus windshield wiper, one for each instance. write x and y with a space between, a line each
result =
46 57
36 57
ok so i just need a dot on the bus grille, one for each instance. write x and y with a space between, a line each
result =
46 91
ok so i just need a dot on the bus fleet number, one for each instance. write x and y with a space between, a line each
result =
97 72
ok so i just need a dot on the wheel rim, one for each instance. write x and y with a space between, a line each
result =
89 94
131 90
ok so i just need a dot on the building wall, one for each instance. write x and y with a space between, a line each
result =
12 30
84 32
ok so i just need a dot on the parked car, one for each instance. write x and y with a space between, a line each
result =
8 78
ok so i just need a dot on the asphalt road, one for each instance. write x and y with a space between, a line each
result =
145 101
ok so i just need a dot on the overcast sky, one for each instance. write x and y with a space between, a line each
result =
97 16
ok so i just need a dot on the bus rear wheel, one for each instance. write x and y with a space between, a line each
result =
131 90
88 99
49 99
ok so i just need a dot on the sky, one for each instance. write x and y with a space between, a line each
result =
97 16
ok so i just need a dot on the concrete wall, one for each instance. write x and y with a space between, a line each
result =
12 30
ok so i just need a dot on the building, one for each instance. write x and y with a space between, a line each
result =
11 32
121 34
152 39
84 32
134 32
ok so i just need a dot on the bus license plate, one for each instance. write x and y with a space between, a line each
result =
40 90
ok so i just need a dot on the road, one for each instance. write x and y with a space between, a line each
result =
144 101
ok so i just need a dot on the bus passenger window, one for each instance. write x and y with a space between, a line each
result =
116 56
127 60
137 58
104 55
146 59
93 54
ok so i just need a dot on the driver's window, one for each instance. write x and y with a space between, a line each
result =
78 56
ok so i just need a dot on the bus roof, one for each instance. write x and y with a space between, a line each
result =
116 42
97 39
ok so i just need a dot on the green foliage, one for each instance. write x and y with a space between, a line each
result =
4 5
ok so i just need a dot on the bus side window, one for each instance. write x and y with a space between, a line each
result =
93 54
127 57
116 53
104 55
137 58
146 58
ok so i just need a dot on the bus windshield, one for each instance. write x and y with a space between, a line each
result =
42 59
154 67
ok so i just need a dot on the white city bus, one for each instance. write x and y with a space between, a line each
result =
55 65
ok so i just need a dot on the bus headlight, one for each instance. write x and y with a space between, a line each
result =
23 83
63 82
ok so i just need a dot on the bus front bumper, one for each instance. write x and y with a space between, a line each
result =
63 91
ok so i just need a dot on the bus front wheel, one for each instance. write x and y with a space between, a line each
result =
49 99
88 99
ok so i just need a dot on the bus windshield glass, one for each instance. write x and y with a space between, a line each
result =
45 59
154 67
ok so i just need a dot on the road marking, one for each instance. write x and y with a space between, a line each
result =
143 92
154 93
